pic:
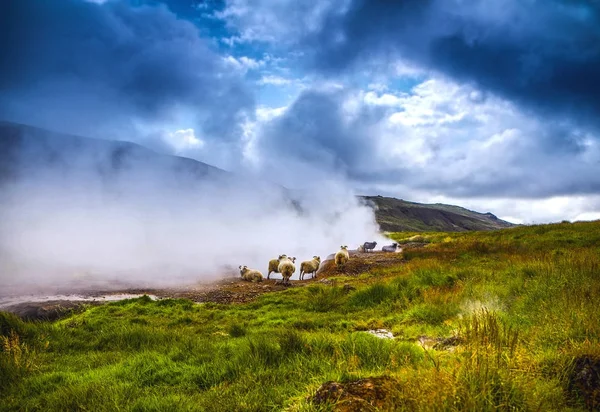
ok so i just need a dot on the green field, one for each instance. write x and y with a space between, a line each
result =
523 304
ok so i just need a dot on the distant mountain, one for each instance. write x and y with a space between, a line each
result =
27 151
396 215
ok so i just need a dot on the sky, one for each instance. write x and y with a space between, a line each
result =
488 104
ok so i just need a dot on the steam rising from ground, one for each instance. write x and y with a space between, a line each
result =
151 226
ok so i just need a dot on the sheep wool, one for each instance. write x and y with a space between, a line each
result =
274 265
310 266
287 268
342 256
250 275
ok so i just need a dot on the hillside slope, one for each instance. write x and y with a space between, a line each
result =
27 151
395 215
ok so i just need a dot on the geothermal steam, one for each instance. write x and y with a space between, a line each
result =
148 227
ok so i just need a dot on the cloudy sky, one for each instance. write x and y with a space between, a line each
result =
492 105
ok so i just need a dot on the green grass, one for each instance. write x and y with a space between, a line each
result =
523 303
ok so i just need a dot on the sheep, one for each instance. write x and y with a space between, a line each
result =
369 246
310 266
287 268
391 248
342 256
360 249
250 275
274 264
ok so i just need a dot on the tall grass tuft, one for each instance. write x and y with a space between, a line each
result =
17 359
292 342
325 298
485 379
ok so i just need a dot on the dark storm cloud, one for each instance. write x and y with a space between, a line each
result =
545 54
88 68
318 130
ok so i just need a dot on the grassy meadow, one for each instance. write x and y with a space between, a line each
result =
513 311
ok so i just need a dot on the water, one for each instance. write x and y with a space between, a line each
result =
6 301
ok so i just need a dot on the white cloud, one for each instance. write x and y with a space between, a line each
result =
274 80
265 114
252 129
385 99
378 86
282 21
243 64
184 140
529 211
403 68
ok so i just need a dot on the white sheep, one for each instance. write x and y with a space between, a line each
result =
287 268
250 275
341 257
310 266
274 265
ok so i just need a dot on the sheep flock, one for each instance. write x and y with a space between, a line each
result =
286 266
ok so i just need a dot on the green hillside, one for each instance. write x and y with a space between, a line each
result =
395 215
498 320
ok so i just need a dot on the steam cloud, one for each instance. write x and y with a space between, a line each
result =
89 215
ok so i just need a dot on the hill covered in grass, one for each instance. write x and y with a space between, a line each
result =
395 215
501 320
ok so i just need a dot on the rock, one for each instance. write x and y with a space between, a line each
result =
381 333
448 343
584 381
47 311
369 394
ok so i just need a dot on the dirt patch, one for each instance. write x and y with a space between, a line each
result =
230 290
369 394
584 381
359 263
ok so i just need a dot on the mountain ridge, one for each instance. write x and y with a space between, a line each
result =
398 215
